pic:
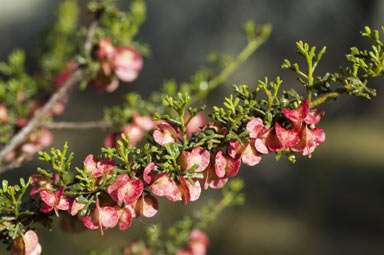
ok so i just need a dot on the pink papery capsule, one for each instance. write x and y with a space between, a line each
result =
101 217
144 122
148 173
162 186
75 207
104 83
54 200
146 206
98 169
303 114
226 166
196 123
3 113
125 218
212 180
287 137
37 140
197 244
165 133
27 244
60 78
125 190
255 127
198 156
106 50
183 190
247 152
189 191
310 139
127 63
134 132
40 182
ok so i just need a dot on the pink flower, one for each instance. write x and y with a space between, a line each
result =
27 244
127 63
101 217
56 201
59 107
198 156
196 123
258 134
124 62
125 190
3 113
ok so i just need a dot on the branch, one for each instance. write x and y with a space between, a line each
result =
242 57
323 99
35 122
91 35
76 125
15 163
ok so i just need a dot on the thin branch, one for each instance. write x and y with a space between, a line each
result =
35 122
76 125
252 46
323 99
15 163
16 140
91 35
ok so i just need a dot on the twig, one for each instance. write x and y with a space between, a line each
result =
35 121
242 57
323 99
76 77
91 35
76 125
15 163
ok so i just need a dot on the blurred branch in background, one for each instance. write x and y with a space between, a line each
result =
35 122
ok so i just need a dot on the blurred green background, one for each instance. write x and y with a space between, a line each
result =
331 204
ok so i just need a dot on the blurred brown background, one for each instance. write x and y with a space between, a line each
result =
331 204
